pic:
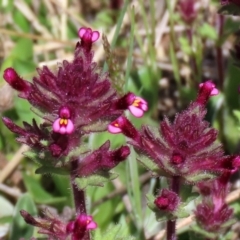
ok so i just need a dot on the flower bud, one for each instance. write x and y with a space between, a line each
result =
17 83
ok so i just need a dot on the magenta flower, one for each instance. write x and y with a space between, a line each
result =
136 105
123 125
53 226
206 90
167 201
78 228
63 124
88 37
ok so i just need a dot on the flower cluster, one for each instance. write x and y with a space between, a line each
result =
186 148
77 100
167 201
213 214
53 226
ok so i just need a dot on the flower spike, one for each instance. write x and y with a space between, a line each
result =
167 201
78 228
63 124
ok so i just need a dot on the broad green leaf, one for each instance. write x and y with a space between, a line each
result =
185 46
106 211
63 187
39 194
6 6
23 110
20 229
23 49
21 21
236 113
204 233
113 233
207 31
6 207
134 189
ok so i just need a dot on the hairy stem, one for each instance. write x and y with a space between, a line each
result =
78 195
171 224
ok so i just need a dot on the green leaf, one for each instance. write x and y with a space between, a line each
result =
206 234
6 207
38 193
134 189
113 233
199 177
207 31
6 6
185 46
95 180
23 110
19 228
23 49
107 210
21 21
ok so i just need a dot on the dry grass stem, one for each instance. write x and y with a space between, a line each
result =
8 169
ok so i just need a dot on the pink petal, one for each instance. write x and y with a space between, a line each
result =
95 36
137 112
214 92
144 107
201 84
62 130
82 31
92 225
113 129
69 127
56 125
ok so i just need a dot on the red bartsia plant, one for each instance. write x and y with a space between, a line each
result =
76 100
186 148
53 226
